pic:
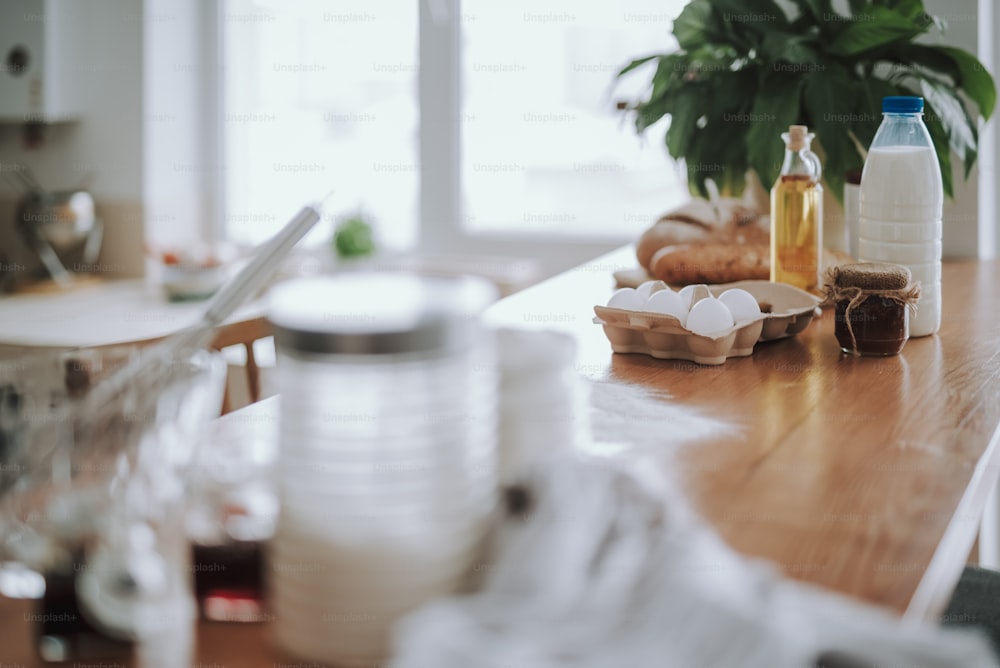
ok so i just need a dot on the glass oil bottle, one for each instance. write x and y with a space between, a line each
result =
797 214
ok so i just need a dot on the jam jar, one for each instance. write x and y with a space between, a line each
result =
872 301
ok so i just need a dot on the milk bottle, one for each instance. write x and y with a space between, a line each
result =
901 200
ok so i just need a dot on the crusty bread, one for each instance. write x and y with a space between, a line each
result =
684 264
705 243
668 233
717 262
729 221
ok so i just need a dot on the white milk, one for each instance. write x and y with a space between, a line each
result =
901 187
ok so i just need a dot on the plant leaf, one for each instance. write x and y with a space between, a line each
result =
857 6
759 16
911 9
685 111
771 115
961 67
821 10
868 112
668 80
932 58
666 74
697 24
718 152
833 179
830 98
974 80
822 15
875 27
732 93
648 113
957 124
638 62
789 48
711 61
943 150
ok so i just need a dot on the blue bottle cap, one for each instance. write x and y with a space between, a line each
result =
902 104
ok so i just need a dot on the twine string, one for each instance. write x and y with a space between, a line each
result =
855 297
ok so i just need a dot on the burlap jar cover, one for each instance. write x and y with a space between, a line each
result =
855 283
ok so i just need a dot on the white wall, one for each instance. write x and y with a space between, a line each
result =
180 173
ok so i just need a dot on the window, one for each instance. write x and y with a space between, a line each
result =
543 148
511 134
319 96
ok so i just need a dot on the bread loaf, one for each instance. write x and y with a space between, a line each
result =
712 243
668 233
683 264
729 221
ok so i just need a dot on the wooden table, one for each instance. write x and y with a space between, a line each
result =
867 476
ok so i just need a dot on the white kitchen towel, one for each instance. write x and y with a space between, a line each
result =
595 566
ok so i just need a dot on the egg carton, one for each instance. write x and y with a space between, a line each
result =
787 311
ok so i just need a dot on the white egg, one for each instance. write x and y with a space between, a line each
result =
627 298
709 316
740 303
686 293
667 302
647 288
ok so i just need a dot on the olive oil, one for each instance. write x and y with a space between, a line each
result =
795 241
797 215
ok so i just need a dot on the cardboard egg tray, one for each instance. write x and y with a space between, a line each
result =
789 311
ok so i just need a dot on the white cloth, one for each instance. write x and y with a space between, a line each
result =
605 570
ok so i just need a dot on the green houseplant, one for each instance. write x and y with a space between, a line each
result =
747 69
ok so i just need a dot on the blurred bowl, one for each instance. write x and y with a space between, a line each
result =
184 283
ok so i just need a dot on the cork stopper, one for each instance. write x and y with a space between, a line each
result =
797 137
872 276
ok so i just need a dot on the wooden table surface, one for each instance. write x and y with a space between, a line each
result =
867 476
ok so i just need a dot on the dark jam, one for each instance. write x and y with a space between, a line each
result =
228 581
880 326
63 632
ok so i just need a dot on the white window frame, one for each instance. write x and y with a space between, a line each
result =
440 151
213 106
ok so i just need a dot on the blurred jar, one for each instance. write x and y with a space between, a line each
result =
387 467
542 404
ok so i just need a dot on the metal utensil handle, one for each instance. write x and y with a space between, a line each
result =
230 296
259 269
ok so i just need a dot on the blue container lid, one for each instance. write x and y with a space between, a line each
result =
902 104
